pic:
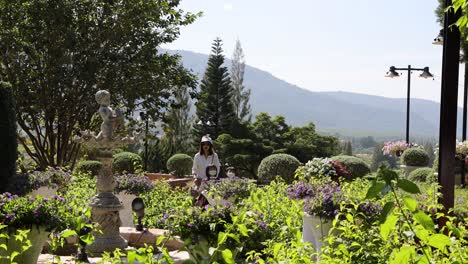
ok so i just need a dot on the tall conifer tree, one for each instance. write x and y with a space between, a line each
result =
215 97
240 96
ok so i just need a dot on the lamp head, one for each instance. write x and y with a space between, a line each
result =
392 73
138 206
439 40
426 74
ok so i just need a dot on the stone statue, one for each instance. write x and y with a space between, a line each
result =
111 119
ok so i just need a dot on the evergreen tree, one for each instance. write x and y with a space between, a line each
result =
215 97
240 96
178 123
348 150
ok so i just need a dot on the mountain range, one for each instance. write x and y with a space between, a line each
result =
343 113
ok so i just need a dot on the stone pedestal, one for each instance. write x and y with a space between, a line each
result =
105 208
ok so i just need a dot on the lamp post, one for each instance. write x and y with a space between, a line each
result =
145 118
393 74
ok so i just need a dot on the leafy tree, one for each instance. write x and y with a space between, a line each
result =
240 96
57 54
378 158
271 131
245 154
178 124
367 142
305 143
215 98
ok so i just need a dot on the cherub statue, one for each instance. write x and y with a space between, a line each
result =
111 119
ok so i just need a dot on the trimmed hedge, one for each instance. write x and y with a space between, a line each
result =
422 175
92 166
283 165
8 143
180 164
415 157
355 166
126 161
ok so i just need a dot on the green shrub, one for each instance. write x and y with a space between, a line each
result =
180 164
8 143
126 161
283 165
92 166
356 166
415 157
422 175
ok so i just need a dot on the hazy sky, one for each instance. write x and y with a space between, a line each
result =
326 45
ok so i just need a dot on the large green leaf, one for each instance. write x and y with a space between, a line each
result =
424 220
411 203
227 256
408 186
387 227
385 211
375 189
440 241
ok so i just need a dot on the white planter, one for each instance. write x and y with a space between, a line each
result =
37 236
408 169
126 214
315 229
44 191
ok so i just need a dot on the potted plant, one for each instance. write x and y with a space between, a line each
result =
325 168
395 147
322 201
412 159
128 187
38 215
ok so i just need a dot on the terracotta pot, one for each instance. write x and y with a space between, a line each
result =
159 176
37 235
181 182
315 229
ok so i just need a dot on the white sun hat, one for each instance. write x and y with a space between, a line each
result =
206 139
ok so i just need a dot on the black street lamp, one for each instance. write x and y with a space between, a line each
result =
393 74
144 117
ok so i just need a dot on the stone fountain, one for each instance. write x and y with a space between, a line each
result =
105 205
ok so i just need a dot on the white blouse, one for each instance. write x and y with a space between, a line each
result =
200 162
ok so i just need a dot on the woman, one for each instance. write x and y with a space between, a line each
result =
205 163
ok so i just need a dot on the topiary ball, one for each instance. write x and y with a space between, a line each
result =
283 165
355 166
126 161
89 166
422 175
415 157
180 164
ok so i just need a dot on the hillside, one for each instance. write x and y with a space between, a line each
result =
337 112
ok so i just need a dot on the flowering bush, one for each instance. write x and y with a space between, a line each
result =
233 189
322 198
133 184
52 177
27 212
324 167
461 150
394 147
